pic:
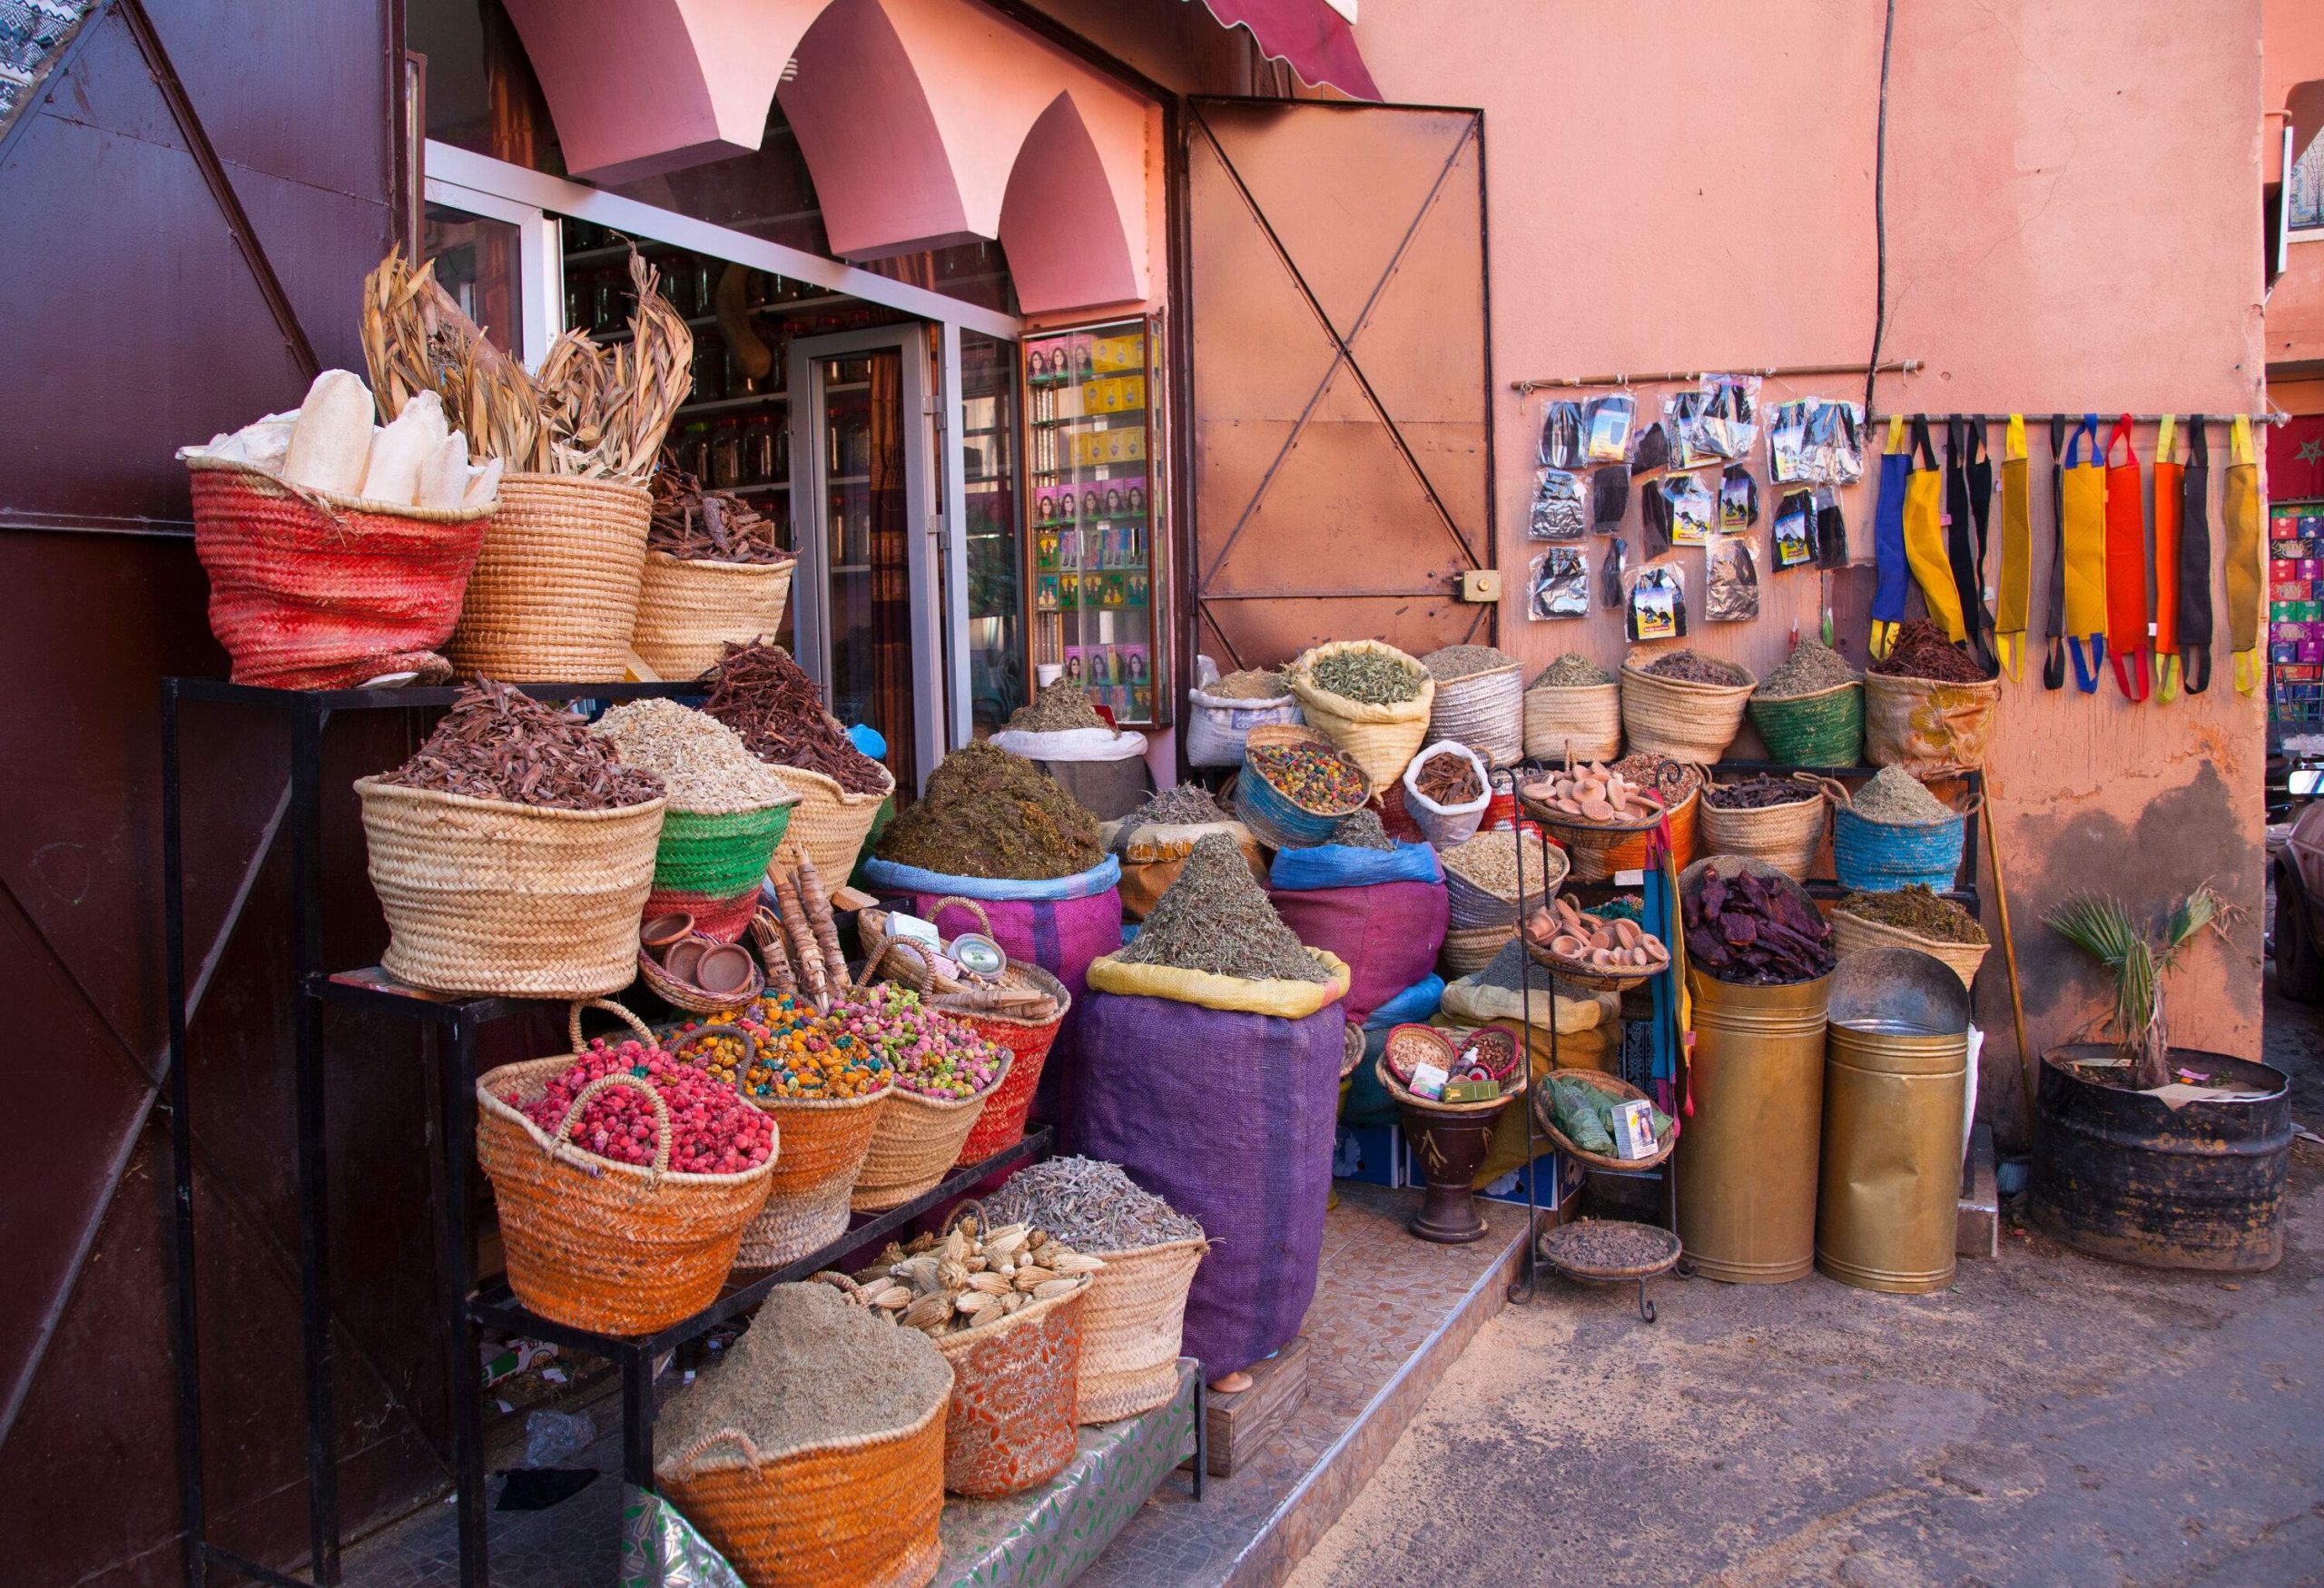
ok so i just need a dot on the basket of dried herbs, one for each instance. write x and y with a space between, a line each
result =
1220 714
1810 710
1916 917
1479 700
716 573
768 699
1574 710
1370 699
1778 819
1684 706
1892 831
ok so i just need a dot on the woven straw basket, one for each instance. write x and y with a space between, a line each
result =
823 1144
488 896
598 1244
309 590
1680 719
1580 720
553 598
1785 836
828 824
1852 934
1485 711
1016 1389
688 609
1822 729
917 1141
1545 1115
1132 1326
1470 949
1380 738
859 1510
1003 1123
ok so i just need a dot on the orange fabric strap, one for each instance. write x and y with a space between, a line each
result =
2126 612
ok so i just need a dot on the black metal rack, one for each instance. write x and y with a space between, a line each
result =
452 1024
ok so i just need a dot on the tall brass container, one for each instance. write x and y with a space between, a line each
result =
1893 1073
1746 1156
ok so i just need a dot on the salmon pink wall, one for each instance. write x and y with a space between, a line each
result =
2072 223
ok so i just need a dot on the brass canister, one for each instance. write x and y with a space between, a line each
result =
1894 1090
1746 1156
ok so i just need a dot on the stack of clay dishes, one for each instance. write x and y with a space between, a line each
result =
1591 951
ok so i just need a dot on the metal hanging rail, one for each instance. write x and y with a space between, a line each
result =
1769 372
2273 416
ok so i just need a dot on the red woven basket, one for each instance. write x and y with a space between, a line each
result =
320 591
1002 1124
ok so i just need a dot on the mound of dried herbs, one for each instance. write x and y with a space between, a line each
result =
1812 667
1571 671
496 743
1922 651
1363 830
1216 918
1373 677
1918 909
767 698
1058 708
988 814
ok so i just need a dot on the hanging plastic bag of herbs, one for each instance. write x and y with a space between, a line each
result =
1694 511
1831 529
1731 581
1795 529
1609 496
1834 441
1562 437
1658 604
1561 507
1558 584
1730 414
1788 444
1683 415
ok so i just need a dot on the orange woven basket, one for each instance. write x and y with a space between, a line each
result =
1003 1123
1016 1395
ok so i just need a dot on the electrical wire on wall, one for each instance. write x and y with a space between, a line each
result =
1880 253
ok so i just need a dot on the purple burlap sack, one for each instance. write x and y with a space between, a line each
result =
1389 933
1230 1118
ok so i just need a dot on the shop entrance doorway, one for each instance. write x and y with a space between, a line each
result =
867 595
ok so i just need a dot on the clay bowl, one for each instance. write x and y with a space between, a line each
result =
684 957
660 932
726 969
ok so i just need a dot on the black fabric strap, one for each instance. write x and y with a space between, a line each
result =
2195 562
2054 657
1965 511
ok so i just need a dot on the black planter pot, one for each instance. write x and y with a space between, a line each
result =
2120 1174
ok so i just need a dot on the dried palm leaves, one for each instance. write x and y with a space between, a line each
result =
592 411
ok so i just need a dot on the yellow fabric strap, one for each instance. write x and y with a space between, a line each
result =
1925 551
2166 675
1895 433
1884 639
2164 434
2239 441
2082 495
2012 441
2239 511
2012 607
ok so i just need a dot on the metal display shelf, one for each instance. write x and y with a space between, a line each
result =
452 1025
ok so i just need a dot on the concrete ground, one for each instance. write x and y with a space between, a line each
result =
2051 1419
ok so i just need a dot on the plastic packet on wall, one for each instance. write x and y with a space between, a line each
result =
1609 496
1683 415
1561 445
1610 571
1730 414
1731 581
1739 499
1606 424
1834 441
1558 584
1560 509
1694 511
1788 444
1795 530
1658 604
1831 529
1652 449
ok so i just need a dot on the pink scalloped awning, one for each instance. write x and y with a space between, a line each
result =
1315 39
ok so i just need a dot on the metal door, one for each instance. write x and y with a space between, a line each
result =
1342 476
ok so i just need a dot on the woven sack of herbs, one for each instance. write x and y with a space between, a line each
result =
1370 699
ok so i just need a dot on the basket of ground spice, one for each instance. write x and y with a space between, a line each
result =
1914 917
1892 833
727 811
1061 732
1684 706
812 1452
1133 1323
1480 701
1777 820
1810 710
1154 841
1445 791
986 815
717 574
1221 713
778 712
513 853
1928 707
1574 710
1370 699
1295 785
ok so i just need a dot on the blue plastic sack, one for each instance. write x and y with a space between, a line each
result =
885 876
1343 865
1416 1003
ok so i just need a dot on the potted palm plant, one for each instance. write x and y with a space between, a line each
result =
2149 1153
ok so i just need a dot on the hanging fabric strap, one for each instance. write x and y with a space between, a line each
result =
2053 631
2195 560
1890 571
2082 528
1925 536
2126 611
2170 487
2016 550
2239 514
1968 502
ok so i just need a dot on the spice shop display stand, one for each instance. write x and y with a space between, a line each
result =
452 1025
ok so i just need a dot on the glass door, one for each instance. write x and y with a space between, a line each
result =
866 595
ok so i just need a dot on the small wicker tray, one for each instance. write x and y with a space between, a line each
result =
1620 1091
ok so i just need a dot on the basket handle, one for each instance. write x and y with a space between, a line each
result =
720 1028
1832 788
962 1209
717 1437
971 905
653 1095
845 1284
573 1022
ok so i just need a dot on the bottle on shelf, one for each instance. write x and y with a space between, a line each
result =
726 454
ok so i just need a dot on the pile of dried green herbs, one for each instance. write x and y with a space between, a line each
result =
1372 677
1918 909
988 814
1058 708
1216 918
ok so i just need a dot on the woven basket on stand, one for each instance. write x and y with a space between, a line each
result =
1852 934
595 1244
688 609
1470 949
829 825
1602 852
1545 1115
1785 836
309 590
825 1141
1381 738
1680 719
1003 1123
709 865
1485 711
1271 814
1015 1392
490 896
553 598
917 1141
1583 720
858 1509
1822 729
1132 1328
1875 857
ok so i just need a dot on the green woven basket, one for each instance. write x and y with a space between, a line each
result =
1822 729
719 856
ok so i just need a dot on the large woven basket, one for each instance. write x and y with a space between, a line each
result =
856 1510
488 896
317 591
1583 720
1785 836
1680 719
1928 726
1381 738
1132 1325
598 1244
1470 949
828 824
553 598
1874 857
1822 729
719 919
917 1141
718 856
1852 934
1485 711
688 609
824 1141
1003 1123
1015 1393
1272 815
